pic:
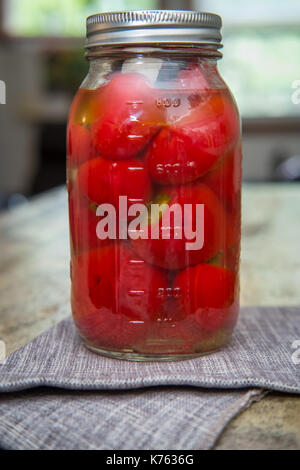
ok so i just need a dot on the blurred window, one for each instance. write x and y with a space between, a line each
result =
261 60
261 41
60 17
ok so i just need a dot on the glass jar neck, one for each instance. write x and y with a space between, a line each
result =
159 50
162 62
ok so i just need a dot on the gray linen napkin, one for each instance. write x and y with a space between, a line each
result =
103 412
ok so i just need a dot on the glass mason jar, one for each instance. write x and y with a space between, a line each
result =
154 179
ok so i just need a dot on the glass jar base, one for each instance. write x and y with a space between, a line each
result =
142 357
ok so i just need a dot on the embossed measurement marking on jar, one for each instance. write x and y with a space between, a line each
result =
135 293
135 102
168 102
169 292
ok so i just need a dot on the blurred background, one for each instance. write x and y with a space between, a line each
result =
42 64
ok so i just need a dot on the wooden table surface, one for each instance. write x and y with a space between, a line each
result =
34 287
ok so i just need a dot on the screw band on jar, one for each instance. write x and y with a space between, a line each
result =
154 27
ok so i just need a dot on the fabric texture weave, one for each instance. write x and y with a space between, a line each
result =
58 395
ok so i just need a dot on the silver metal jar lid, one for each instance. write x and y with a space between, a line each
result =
150 27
